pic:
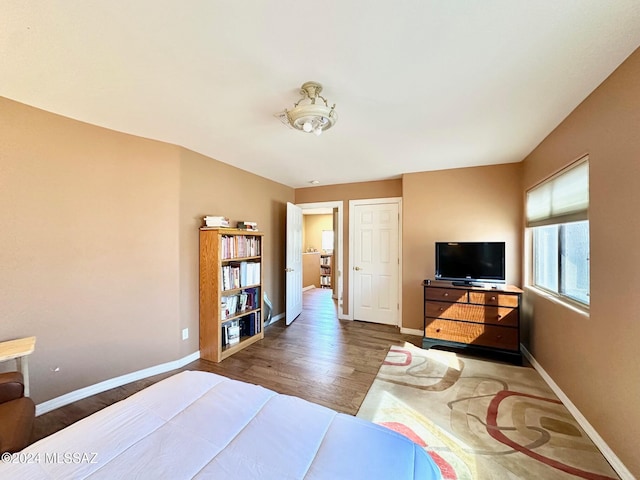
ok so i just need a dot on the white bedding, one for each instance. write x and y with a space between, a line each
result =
201 425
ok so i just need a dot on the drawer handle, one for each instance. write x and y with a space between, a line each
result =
441 309
498 337
446 294
493 299
498 317
437 330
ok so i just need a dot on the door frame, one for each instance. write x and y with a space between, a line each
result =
352 227
339 246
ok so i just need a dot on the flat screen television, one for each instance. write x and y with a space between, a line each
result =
470 263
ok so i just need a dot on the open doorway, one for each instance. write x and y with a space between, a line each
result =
322 251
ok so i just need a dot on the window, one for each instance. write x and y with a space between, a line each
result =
561 259
557 214
327 240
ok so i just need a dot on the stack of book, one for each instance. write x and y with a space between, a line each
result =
231 332
216 221
250 325
234 330
246 246
239 275
232 305
244 225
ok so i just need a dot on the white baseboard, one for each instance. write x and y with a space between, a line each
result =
85 392
273 320
611 457
309 287
411 331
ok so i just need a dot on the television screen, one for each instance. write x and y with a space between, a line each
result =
466 262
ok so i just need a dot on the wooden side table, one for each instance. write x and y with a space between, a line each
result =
19 350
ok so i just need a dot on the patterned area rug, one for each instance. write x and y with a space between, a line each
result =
480 419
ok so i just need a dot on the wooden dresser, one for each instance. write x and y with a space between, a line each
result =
477 319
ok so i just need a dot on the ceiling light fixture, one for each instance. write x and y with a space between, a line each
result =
308 114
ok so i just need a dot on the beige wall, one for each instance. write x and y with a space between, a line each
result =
89 248
594 359
313 225
345 192
209 187
98 251
311 269
487 206
460 205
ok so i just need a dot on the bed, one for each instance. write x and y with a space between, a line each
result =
202 425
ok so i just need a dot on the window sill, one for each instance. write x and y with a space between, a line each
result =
576 307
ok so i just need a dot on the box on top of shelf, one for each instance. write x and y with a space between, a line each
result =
216 221
244 225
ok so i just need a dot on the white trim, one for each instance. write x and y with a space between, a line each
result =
606 451
85 392
309 287
421 333
412 331
339 204
560 300
376 201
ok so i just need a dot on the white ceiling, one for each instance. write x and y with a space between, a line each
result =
418 84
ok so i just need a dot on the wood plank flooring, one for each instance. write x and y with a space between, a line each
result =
318 357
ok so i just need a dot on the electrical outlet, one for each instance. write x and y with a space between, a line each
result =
185 333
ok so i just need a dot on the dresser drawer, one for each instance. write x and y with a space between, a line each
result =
445 294
473 313
473 334
491 298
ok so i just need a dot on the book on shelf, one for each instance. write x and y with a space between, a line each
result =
242 302
231 305
239 246
225 334
231 332
252 298
250 324
249 273
240 275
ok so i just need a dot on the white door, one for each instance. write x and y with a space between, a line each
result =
376 263
293 281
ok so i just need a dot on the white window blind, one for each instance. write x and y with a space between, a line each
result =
561 199
327 240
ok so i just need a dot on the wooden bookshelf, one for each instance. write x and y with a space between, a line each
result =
231 275
326 270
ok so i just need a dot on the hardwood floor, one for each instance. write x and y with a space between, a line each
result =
318 357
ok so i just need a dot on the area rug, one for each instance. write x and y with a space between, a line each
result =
480 419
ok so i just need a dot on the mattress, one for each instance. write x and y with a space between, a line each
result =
201 425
